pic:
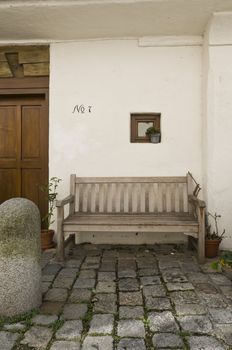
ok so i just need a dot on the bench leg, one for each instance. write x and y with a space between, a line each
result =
201 235
60 235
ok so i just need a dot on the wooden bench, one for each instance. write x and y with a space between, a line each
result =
131 204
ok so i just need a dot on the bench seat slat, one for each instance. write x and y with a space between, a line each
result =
165 179
107 219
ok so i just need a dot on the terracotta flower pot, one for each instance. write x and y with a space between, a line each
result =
47 239
211 247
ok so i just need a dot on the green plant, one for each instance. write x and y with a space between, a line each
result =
215 234
152 130
50 193
225 260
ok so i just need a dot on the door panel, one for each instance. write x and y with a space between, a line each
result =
9 180
31 180
24 147
8 132
31 127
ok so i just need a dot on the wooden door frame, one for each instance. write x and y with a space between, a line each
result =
29 86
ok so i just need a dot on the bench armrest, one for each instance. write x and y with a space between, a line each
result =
67 200
196 202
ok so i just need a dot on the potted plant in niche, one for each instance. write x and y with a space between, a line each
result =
213 239
50 193
154 134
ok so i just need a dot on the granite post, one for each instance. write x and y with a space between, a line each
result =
20 253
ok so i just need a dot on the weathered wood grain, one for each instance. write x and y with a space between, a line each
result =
36 69
5 71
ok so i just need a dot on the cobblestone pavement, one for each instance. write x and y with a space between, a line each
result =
126 298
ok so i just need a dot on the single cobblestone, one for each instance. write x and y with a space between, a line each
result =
80 295
71 330
86 283
101 324
205 343
106 276
63 282
213 300
184 297
220 280
190 309
162 322
154 291
56 294
131 344
74 311
221 315
98 343
105 303
207 288
87 274
47 278
130 298
148 272
51 308
167 340
195 324
174 277
44 320
198 277
127 273
224 331
131 312
150 280
106 287
7 340
14 327
179 286
37 337
128 285
131 328
65 345
156 303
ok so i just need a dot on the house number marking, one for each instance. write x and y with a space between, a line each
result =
82 109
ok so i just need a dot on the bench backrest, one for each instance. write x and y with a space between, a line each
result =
130 194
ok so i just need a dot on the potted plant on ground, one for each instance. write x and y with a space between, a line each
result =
154 134
224 264
213 238
50 193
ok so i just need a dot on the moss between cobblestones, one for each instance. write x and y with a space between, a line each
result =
25 318
148 334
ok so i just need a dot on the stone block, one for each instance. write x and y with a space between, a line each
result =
20 256
167 340
131 328
131 344
101 324
99 343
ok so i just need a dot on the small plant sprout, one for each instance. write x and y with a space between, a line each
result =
215 234
50 193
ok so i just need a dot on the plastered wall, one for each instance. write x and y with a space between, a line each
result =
217 119
116 78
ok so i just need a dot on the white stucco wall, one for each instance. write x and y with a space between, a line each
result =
218 121
117 78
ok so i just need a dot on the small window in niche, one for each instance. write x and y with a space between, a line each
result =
145 127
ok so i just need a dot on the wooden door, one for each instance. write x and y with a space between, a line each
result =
24 147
